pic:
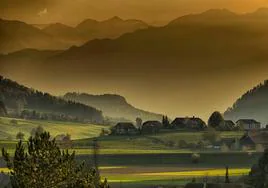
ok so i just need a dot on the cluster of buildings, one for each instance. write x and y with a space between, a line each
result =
254 136
181 123
127 128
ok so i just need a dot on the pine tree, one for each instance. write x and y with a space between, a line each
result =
259 172
44 165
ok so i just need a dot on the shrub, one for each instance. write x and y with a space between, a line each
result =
13 122
20 136
104 132
195 158
211 135
200 145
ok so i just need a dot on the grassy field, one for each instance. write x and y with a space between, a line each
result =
136 177
9 130
136 161
141 176
150 142
130 174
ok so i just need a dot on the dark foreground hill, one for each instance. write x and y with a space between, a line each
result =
114 106
252 104
18 98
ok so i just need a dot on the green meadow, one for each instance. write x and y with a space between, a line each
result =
8 130
135 161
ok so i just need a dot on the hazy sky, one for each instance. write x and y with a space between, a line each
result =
218 91
151 11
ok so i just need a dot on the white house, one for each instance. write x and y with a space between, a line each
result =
248 124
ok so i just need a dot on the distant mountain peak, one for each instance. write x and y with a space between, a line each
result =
261 11
115 19
112 105
87 22
209 16
56 25
106 96
219 12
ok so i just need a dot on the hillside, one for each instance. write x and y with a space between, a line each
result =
3 110
18 98
114 106
77 130
16 35
252 104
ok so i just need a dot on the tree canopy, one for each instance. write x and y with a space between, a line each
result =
259 172
43 164
215 119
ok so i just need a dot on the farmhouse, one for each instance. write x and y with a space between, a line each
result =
151 127
188 123
253 138
124 128
248 124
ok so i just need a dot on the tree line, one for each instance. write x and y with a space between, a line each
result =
18 98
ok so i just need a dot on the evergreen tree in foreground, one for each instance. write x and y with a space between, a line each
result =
44 165
259 172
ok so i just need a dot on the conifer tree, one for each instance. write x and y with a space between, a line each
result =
44 165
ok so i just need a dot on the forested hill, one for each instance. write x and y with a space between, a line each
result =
252 104
3 111
114 106
18 99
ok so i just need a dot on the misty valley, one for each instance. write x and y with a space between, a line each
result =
122 102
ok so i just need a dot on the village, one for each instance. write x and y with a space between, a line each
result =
254 137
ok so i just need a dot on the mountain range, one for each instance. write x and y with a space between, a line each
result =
182 45
15 98
182 61
114 106
17 35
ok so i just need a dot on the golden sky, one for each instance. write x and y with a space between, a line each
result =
152 11
198 96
